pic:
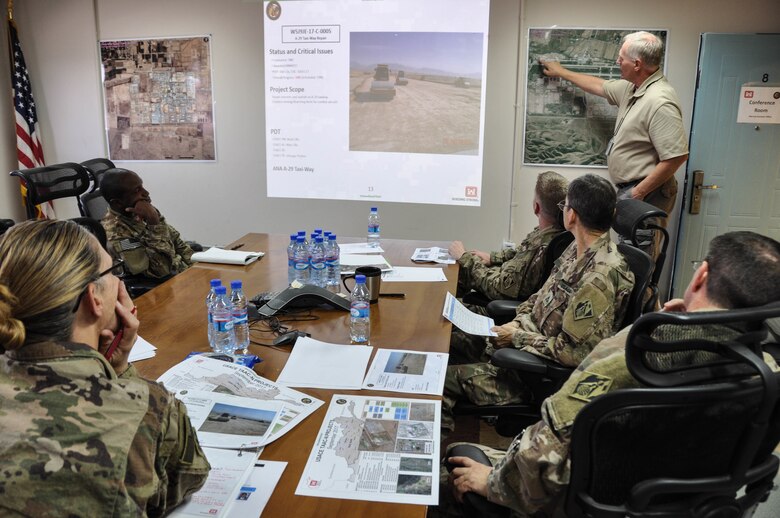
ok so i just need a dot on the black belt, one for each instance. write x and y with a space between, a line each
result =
627 184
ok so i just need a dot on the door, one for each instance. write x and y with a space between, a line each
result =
741 159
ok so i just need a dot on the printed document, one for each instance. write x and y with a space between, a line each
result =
208 374
359 248
466 320
257 490
229 470
376 449
351 261
414 274
322 365
142 350
218 255
432 255
225 421
407 371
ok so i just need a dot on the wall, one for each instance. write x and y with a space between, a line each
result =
65 66
685 20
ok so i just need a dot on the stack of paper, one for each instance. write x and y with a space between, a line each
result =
142 350
414 274
432 255
359 248
322 365
218 255
351 261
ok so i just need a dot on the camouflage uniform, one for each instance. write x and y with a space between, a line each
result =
533 473
155 251
514 274
77 440
582 302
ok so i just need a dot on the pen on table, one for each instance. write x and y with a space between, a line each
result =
236 247
393 295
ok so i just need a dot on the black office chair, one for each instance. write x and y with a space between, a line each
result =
5 224
52 182
502 311
706 429
699 440
636 221
92 202
95 228
542 376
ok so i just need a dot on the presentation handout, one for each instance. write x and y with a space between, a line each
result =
360 248
208 374
413 372
351 261
432 255
376 101
322 365
257 490
218 255
376 449
414 274
229 470
466 320
225 421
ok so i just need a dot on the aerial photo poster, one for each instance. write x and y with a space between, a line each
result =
565 126
158 98
376 101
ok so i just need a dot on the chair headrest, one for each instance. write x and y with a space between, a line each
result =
631 215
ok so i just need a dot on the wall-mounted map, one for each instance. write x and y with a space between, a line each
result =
158 98
564 125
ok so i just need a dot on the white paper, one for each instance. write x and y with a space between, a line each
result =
376 449
322 365
413 372
257 490
414 274
351 261
433 254
203 373
218 255
359 248
229 470
225 421
466 320
142 350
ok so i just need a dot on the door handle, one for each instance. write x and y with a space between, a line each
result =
698 187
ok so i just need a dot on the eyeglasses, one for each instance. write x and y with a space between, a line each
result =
117 268
562 205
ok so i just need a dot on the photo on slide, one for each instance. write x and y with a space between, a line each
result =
415 92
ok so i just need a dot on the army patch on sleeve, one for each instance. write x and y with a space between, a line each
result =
591 386
584 309
129 244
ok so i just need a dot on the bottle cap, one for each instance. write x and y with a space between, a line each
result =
220 290
215 282
373 209
318 231
300 238
318 239
302 233
332 237
360 279
327 233
235 285
293 236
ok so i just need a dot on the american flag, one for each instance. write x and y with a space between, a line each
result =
28 144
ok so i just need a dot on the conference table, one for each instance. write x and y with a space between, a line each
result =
173 318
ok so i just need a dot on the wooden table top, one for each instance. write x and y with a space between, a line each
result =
173 318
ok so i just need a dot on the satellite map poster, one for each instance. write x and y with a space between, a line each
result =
565 126
158 98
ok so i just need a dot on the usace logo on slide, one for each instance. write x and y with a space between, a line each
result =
748 94
471 192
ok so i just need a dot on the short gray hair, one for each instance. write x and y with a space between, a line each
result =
645 46
551 189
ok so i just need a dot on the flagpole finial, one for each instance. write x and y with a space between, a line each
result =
10 10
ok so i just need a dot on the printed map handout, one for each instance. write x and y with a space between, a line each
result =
376 449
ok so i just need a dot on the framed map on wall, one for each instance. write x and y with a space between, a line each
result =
158 98
565 126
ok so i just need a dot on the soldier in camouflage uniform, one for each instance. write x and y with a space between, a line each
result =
582 302
513 274
137 232
742 270
81 435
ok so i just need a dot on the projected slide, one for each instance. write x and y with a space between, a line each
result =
376 100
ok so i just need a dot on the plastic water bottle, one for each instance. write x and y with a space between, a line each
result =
240 318
210 298
291 258
332 265
318 231
373 228
301 260
317 263
359 312
222 322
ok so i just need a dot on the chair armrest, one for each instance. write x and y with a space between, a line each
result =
502 311
478 504
528 362
476 298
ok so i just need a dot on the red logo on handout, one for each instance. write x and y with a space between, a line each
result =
748 94
471 192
